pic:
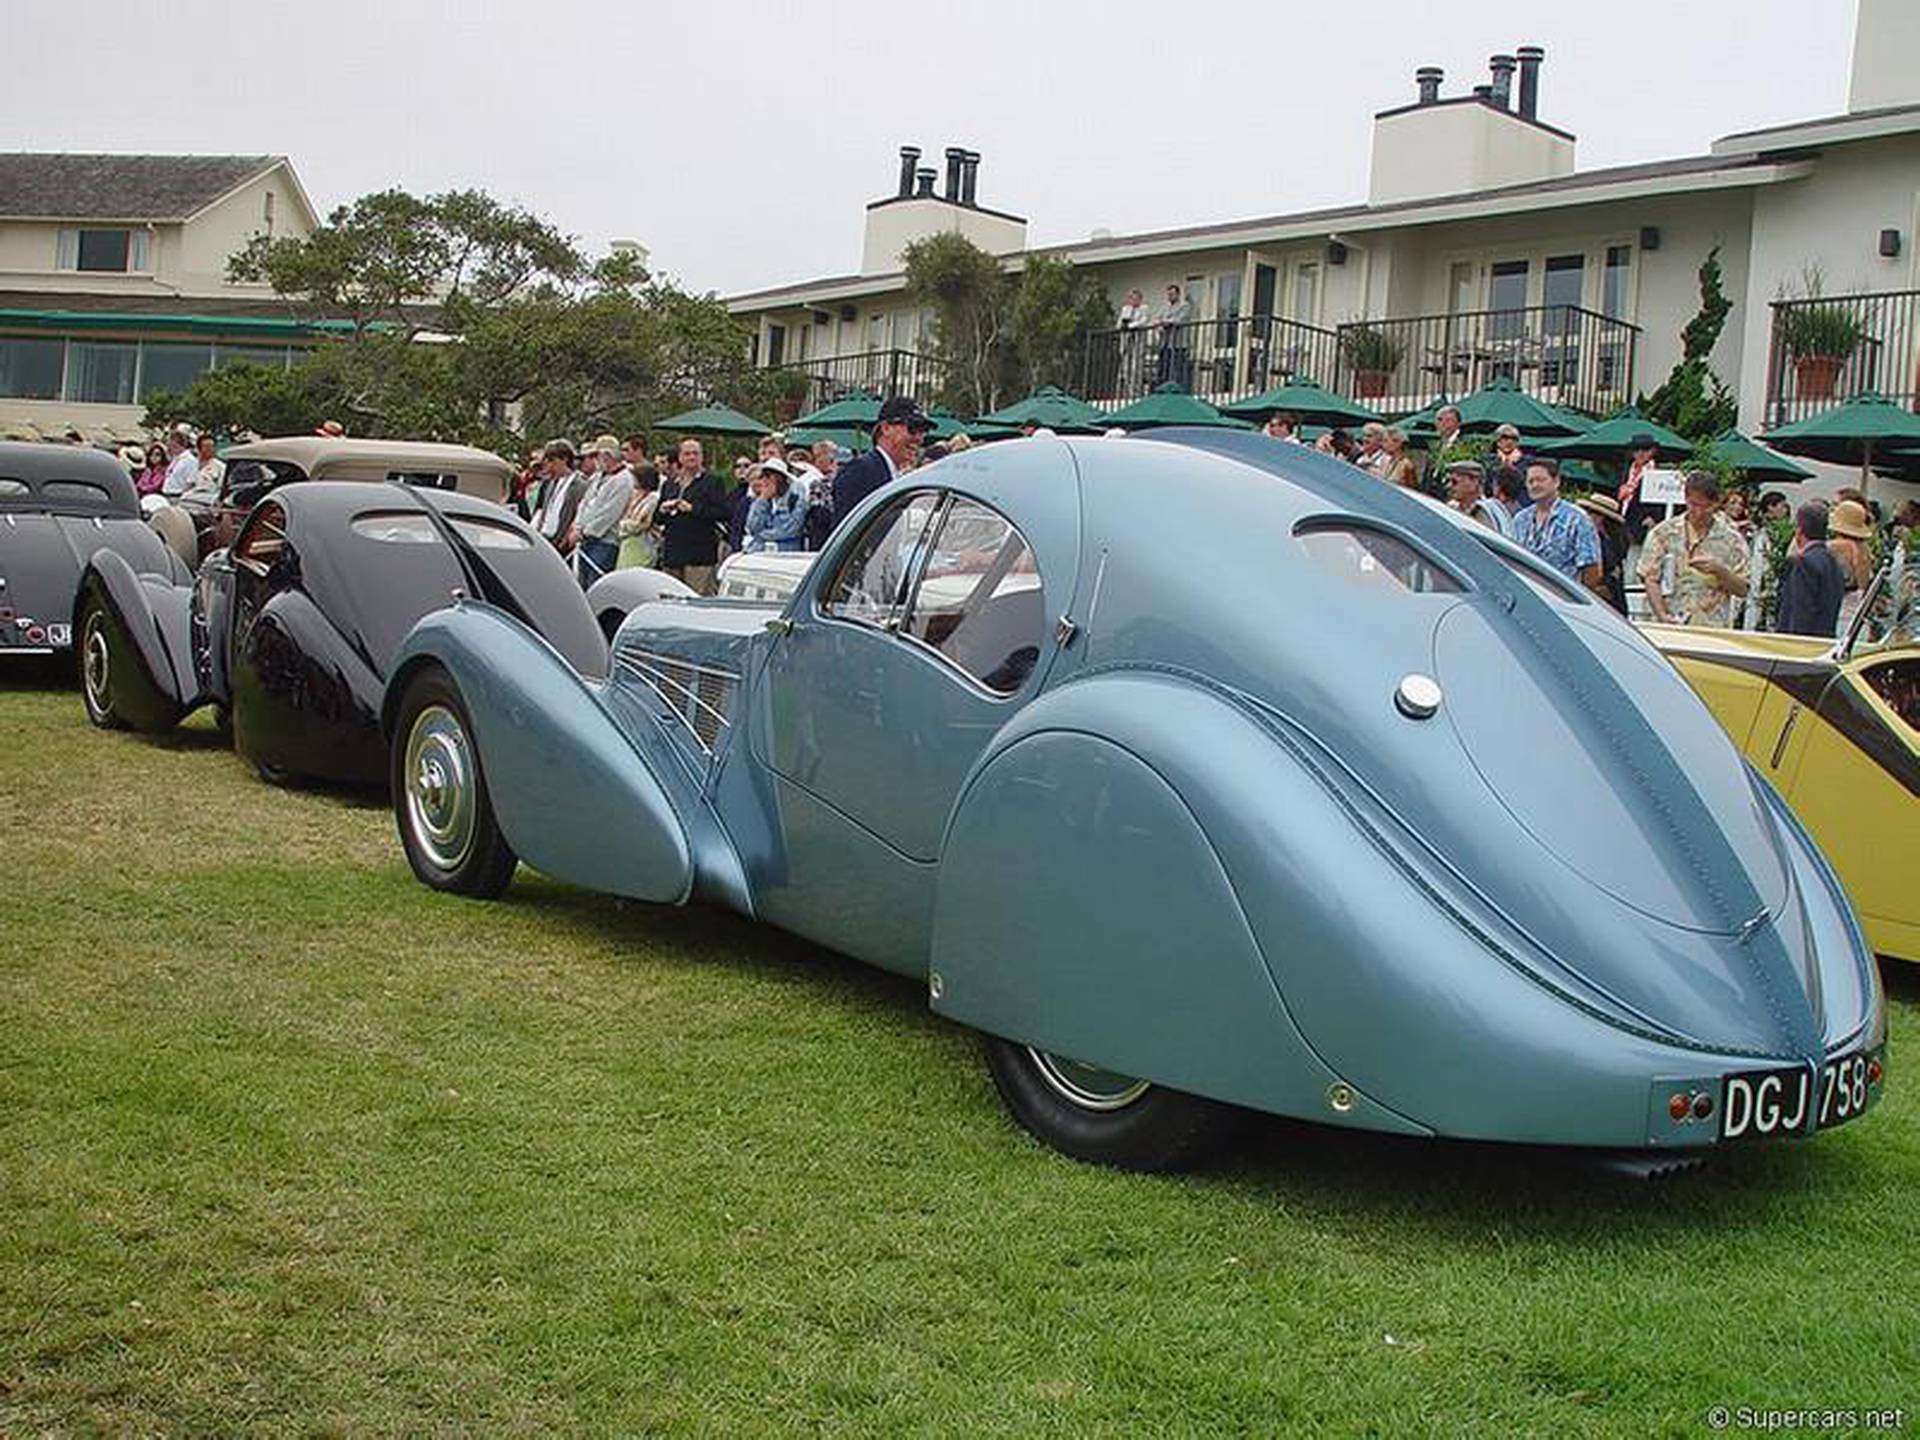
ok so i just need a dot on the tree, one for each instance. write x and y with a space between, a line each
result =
1056 308
455 317
999 333
1693 400
238 398
967 291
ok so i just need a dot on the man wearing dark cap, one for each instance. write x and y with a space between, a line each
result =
1467 493
896 447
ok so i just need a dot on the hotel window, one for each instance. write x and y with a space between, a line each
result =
107 252
776 346
30 367
876 332
271 356
266 211
172 366
101 372
1306 291
1507 298
1616 278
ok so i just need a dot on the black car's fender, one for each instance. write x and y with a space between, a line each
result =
145 634
305 700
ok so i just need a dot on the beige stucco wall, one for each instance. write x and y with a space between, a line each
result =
1886 55
1454 149
897 224
1832 219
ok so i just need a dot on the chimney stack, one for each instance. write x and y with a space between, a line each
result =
1483 93
923 182
909 157
954 156
1428 78
969 176
1530 57
1502 68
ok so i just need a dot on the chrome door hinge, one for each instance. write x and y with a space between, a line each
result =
1064 631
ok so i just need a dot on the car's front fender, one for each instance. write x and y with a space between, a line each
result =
572 795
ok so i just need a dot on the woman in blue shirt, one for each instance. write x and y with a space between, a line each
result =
778 516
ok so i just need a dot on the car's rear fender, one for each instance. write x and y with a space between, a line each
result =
572 794
150 639
1158 838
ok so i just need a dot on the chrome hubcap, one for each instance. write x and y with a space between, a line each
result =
442 787
1087 1086
94 667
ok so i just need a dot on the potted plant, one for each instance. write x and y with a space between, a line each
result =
1820 338
1372 355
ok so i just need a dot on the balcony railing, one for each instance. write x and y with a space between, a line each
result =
877 372
1828 349
1562 353
1218 360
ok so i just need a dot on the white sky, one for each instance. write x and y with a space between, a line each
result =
740 141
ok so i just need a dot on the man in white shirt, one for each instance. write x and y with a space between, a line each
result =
597 521
183 465
559 495
210 472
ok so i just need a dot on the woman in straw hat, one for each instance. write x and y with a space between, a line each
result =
1604 511
1848 530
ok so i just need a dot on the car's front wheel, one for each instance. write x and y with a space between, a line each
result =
1094 1114
440 801
96 666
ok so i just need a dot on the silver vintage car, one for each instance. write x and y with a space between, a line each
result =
1198 773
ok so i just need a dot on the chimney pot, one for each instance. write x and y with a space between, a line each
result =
923 182
909 157
1427 78
955 155
969 176
1502 68
1530 57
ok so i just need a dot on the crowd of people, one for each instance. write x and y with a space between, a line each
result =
1694 566
614 504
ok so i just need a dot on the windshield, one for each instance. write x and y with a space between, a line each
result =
1890 612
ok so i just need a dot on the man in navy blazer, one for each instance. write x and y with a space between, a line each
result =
896 447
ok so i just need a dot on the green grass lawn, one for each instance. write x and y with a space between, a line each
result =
290 1143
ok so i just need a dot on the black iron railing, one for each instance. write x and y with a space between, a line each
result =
1562 354
877 372
1218 360
1827 349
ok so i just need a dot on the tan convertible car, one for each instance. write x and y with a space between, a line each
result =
1836 728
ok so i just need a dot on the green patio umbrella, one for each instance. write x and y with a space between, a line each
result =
1733 449
946 425
714 420
1314 405
858 409
1053 408
854 437
1613 439
1850 433
1501 402
1171 404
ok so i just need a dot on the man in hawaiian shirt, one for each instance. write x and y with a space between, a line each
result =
1557 530
1694 564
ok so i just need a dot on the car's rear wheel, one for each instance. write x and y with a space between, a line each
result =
97 642
440 800
1095 1114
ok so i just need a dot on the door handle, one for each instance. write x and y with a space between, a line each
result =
780 625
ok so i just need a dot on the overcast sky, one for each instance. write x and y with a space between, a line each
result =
740 141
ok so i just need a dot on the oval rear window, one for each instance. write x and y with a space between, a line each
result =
396 528
1374 559
489 534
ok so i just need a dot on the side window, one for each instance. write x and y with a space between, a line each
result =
264 540
979 602
871 584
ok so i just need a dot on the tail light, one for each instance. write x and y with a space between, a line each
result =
36 635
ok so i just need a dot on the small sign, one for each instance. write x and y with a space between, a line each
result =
1663 487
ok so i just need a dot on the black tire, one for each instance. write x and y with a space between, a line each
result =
94 654
610 622
1107 1119
440 801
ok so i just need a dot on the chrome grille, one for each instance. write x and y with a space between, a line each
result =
698 696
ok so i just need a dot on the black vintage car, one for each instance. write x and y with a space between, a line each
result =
58 505
290 630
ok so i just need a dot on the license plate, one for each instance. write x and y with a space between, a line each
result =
1761 1103
59 634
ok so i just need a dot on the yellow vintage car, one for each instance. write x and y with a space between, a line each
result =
1836 728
